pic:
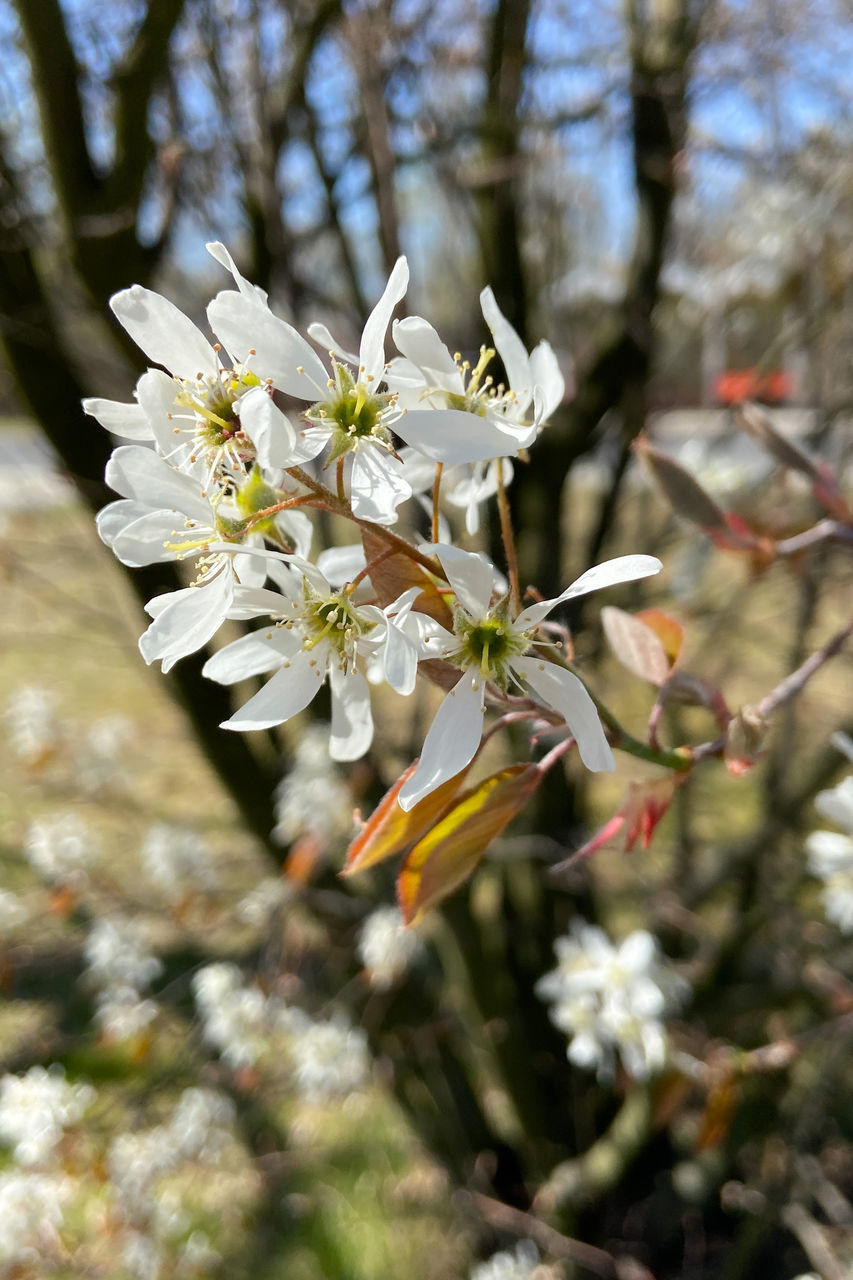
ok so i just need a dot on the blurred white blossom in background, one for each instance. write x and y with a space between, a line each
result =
519 1264
177 859
312 799
32 724
386 947
830 853
61 849
35 1110
612 1000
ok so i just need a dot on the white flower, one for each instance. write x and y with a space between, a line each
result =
100 758
237 1020
32 1209
60 849
266 897
121 1013
608 999
490 646
35 1109
467 419
312 798
322 633
175 858
516 1265
164 516
386 947
206 416
33 726
830 853
349 412
12 911
116 955
202 1122
330 1059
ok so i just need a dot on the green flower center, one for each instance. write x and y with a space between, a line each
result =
489 644
355 409
334 619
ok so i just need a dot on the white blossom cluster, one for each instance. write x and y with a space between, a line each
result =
32 724
176 859
830 853
312 798
152 1212
516 1264
263 900
386 947
120 967
32 1209
612 1000
219 475
35 1110
100 754
326 1059
96 753
61 849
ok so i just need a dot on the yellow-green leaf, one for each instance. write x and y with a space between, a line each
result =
449 853
389 829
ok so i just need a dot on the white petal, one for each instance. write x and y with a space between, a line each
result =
453 436
608 574
269 430
126 420
156 393
112 519
223 257
547 379
452 741
136 472
837 803
185 620
341 564
510 347
245 324
565 693
377 486
287 693
164 333
253 602
251 655
352 720
399 660
420 344
470 575
371 352
321 335
298 530
143 541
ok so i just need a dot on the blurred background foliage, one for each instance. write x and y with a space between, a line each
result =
663 189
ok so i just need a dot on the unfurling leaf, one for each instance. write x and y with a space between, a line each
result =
685 495
744 740
637 817
390 829
667 629
689 500
757 424
449 853
636 645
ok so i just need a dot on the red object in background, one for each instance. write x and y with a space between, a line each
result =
736 385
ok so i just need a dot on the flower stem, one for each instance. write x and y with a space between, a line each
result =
508 537
436 492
